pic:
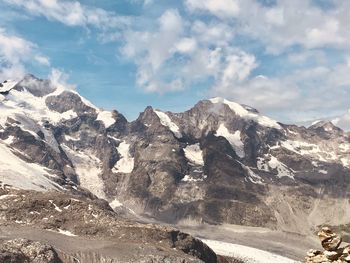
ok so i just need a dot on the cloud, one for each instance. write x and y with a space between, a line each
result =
60 79
343 121
151 52
219 8
14 53
42 60
71 13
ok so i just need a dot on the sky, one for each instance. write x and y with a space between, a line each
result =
288 59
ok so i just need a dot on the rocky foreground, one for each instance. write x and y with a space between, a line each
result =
56 217
331 242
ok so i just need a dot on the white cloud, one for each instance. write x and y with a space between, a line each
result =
219 8
152 50
186 45
14 53
71 13
343 121
60 79
42 60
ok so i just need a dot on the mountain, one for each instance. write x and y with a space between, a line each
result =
219 162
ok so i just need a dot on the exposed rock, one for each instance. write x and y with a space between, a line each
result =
330 242
26 251
93 218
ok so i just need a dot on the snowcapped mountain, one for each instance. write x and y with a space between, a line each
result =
219 162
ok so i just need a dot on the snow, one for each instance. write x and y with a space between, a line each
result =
262 165
6 196
194 154
106 117
253 177
126 162
323 171
233 138
115 203
9 140
7 86
88 168
70 138
321 152
166 121
56 207
244 113
344 147
188 178
30 110
247 254
66 232
24 175
282 169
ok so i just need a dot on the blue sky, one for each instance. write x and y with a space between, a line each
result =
289 59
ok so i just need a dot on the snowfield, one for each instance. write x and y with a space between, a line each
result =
194 154
234 139
244 113
126 162
24 175
106 117
248 254
166 121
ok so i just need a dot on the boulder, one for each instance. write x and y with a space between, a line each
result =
329 240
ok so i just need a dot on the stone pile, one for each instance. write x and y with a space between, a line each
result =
330 241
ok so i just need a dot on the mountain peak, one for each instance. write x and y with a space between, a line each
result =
247 112
327 126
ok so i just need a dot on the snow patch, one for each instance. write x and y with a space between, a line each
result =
253 177
247 254
106 117
244 113
166 121
194 154
88 168
9 140
188 178
70 138
115 203
24 175
344 147
282 169
233 138
126 162
7 86
66 233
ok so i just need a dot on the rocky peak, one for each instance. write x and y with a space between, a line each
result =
37 87
326 127
66 101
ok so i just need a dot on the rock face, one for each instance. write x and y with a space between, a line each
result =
219 162
25 251
330 242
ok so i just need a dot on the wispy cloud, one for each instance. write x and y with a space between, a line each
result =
14 52
71 13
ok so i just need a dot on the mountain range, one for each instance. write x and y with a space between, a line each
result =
219 162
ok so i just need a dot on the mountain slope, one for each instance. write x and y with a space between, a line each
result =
219 162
